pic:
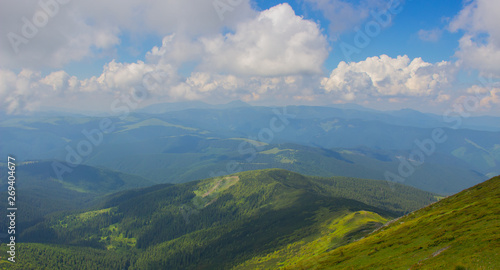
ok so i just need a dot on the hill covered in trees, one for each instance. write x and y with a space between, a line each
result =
217 223
40 192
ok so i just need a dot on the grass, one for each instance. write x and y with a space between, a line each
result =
336 229
459 232
70 186
115 239
255 219
214 186
80 218
286 160
208 190
275 150
92 214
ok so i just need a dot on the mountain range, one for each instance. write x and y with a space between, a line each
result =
199 186
270 219
184 142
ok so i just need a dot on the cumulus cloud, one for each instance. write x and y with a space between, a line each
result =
489 97
261 57
393 80
176 49
479 48
52 33
207 82
26 90
29 91
275 43
388 77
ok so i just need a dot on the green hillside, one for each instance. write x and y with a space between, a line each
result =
217 223
41 192
459 232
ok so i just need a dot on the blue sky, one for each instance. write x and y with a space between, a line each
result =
398 39
84 56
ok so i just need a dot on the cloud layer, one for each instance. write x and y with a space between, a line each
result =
388 77
277 42
230 51
263 56
479 48
56 32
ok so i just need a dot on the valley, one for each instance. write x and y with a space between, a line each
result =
200 189
225 219
266 219
183 145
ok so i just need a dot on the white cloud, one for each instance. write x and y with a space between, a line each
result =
64 36
28 91
25 91
215 87
264 58
489 97
79 29
377 79
388 77
176 49
206 82
479 48
481 56
276 43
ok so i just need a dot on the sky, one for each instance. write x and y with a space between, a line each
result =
82 56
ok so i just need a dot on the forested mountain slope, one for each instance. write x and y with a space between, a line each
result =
216 223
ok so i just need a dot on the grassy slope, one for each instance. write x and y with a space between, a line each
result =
40 193
275 208
335 231
461 232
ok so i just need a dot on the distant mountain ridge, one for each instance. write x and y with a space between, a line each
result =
189 144
161 108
